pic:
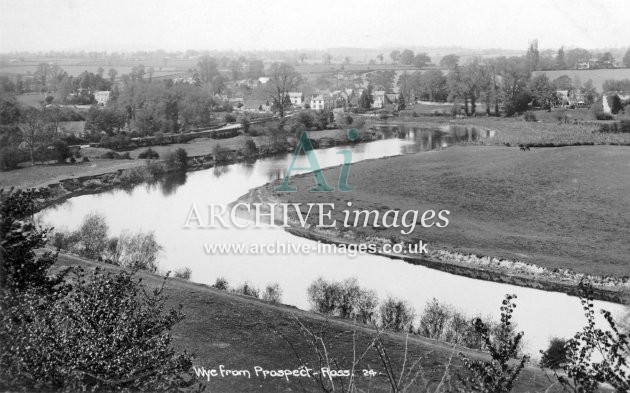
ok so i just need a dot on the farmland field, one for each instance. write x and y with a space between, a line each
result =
597 76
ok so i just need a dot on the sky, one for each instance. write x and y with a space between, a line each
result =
125 25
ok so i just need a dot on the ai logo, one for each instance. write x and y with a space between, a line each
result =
322 186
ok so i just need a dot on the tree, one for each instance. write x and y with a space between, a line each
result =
431 85
449 61
42 72
561 63
139 250
93 236
96 332
34 131
326 58
543 92
395 56
626 58
515 73
575 56
366 100
207 68
533 56
407 57
421 60
380 58
302 57
283 79
556 355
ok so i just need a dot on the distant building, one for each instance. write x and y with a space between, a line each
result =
321 102
102 97
297 98
379 99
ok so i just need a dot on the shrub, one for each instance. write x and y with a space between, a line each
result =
61 151
249 148
177 161
149 154
102 332
273 293
184 272
107 333
138 251
530 116
433 320
556 354
324 296
92 236
221 284
396 315
499 373
66 241
85 159
229 118
248 290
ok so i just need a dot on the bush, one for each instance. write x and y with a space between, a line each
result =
396 315
499 374
184 272
85 159
92 236
95 332
229 118
249 148
530 116
138 251
273 293
556 354
345 299
61 151
248 290
221 284
177 161
434 318
149 154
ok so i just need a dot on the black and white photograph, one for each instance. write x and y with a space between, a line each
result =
420 196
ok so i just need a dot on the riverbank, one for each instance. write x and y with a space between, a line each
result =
538 219
242 332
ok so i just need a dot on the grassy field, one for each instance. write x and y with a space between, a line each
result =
563 207
515 131
42 175
243 332
597 76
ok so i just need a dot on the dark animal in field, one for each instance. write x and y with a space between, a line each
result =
523 147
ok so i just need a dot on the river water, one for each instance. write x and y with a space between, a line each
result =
163 208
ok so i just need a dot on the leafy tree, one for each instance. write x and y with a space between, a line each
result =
626 58
556 355
543 91
533 56
433 320
93 236
112 74
138 251
395 56
396 315
449 61
421 60
499 374
432 85
575 56
380 58
561 63
407 57
366 100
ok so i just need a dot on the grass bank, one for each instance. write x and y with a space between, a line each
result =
242 332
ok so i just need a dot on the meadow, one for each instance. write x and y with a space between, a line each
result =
559 208
597 76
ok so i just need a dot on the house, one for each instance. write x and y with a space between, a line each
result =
297 98
102 97
379 99
256 105
321 102
263 80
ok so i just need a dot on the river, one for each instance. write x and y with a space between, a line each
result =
164 206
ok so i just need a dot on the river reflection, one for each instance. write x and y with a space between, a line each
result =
164 206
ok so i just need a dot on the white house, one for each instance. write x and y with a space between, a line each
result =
102 97
379 99
321 102
297 98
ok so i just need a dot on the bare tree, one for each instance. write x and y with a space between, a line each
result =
283 79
